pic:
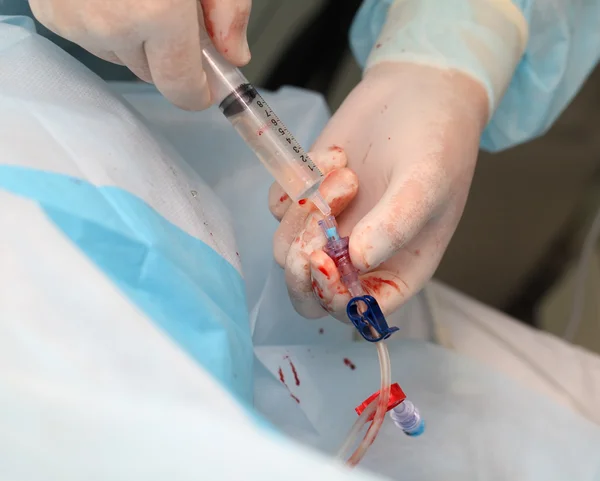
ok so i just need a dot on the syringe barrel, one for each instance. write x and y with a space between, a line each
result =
260 128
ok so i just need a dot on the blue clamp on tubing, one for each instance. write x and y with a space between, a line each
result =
372 317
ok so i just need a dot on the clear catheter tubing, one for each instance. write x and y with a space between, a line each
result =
382 403
379 406
262 130
337 249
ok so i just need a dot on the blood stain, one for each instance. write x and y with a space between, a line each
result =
209 28
296 378
374 284
317 289
302 201
324 272
335 148
282 379
349 363
417 252
390 283
283 198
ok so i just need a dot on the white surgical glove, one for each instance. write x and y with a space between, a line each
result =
410 132
399 156
158 40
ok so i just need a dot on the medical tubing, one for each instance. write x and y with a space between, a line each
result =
382 404
377 406
356 429
337 249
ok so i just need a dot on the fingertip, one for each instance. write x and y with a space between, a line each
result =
239 55
322 267
226 23
279 201
339 189
368 247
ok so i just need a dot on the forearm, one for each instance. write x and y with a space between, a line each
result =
531 56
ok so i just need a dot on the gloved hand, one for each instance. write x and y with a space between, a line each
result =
409 134
158 40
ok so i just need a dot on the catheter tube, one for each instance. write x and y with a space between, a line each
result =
356 429
337 249
382 404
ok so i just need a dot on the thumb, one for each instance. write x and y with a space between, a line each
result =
401 213
226 23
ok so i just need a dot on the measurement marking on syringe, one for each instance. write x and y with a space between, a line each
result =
282 130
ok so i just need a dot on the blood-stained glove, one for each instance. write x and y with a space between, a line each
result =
399 156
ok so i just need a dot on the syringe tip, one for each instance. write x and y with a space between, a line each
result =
319 202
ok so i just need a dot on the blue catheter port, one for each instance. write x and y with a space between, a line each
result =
372 317
418 431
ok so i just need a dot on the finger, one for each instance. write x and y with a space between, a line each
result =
279 201
343 188
297 269
226 23
406 207
136 61
413 266
388 288
175 64
44 12
105 55
338 190
294 216
329 292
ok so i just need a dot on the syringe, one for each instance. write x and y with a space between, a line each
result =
262 130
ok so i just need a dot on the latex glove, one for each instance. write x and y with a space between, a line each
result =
410 133
158 40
